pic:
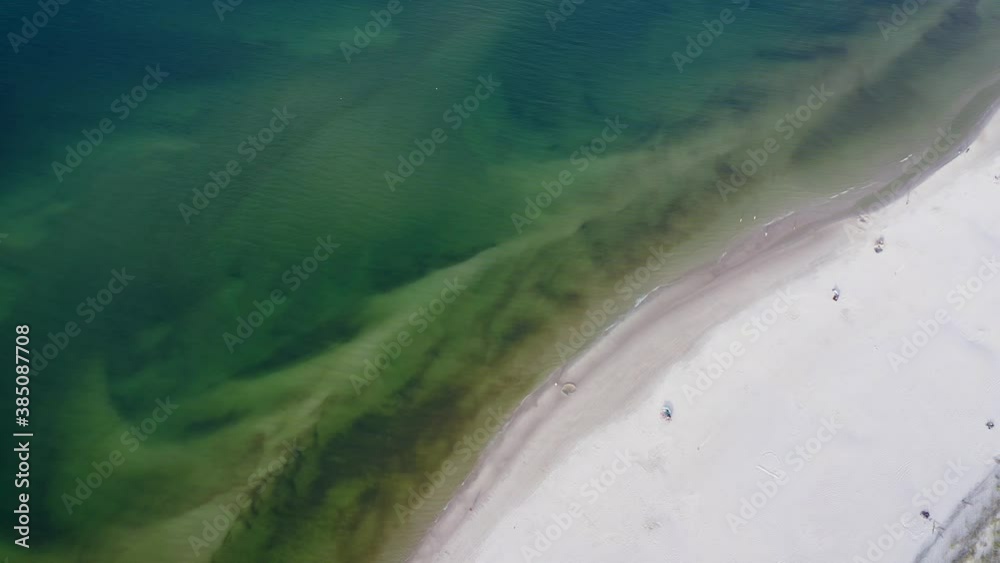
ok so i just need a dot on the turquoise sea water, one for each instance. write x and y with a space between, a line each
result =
373 323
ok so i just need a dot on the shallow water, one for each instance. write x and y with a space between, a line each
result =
300 374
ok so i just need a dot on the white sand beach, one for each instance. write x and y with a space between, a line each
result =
805 429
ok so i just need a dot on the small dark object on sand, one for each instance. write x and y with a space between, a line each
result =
925 514
879 245
989 424
667 412
836 294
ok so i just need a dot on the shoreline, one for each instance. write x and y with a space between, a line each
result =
791 242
